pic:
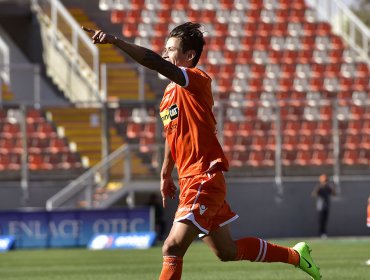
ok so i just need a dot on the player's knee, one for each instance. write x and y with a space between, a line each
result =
225 256
171 248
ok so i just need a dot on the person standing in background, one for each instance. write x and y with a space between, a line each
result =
160 224
323 192
368 221
368 213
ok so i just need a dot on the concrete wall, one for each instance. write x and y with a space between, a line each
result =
11 194
262 213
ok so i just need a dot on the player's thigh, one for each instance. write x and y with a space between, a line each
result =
179 239
221 243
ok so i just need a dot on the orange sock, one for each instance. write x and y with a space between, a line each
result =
172 268
258 250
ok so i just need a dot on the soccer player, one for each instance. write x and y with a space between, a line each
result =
191 144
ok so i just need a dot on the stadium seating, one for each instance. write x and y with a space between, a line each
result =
269 51
46 149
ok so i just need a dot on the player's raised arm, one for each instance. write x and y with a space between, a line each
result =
143 56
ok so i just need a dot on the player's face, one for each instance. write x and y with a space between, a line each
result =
173 52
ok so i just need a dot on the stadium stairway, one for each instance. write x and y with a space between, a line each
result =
123 84
6 93
82 126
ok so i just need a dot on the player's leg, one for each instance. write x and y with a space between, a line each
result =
258 250
221 243
174 248
325 217
248 248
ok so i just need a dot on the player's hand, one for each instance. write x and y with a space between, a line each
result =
100 37
168 189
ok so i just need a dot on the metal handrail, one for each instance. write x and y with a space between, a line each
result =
77 185
349 24
4 60
57 8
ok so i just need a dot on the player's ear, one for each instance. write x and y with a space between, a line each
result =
190 54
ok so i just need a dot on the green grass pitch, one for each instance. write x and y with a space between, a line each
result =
339 259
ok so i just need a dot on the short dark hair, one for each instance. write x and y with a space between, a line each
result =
191 38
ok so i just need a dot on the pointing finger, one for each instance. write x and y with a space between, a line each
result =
102 37
88 30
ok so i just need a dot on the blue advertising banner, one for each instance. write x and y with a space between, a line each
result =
42 229
139 240
6 242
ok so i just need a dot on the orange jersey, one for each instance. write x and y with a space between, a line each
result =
190 125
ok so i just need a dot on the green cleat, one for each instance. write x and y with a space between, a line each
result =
306 262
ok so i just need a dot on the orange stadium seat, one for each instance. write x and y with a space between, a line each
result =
297 14
149 130
137 4
38 145
303 157
269 158
289 142
69 160
352 141
242 143
130 30
10 161
4 161
57 145
350 157
305 142
365 142
288 157
36 162
6 145
133 130
308 127
239 159
322 157
256 158
117 16
146 144
45 130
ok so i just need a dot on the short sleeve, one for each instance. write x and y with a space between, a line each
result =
196 80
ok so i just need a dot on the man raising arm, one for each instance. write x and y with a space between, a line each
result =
192 144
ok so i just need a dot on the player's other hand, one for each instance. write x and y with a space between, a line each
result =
100 37
168 189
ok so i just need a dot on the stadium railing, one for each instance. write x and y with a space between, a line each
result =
345 23
67 46
4 61
103 184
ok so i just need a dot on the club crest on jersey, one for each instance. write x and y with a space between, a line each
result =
169 114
